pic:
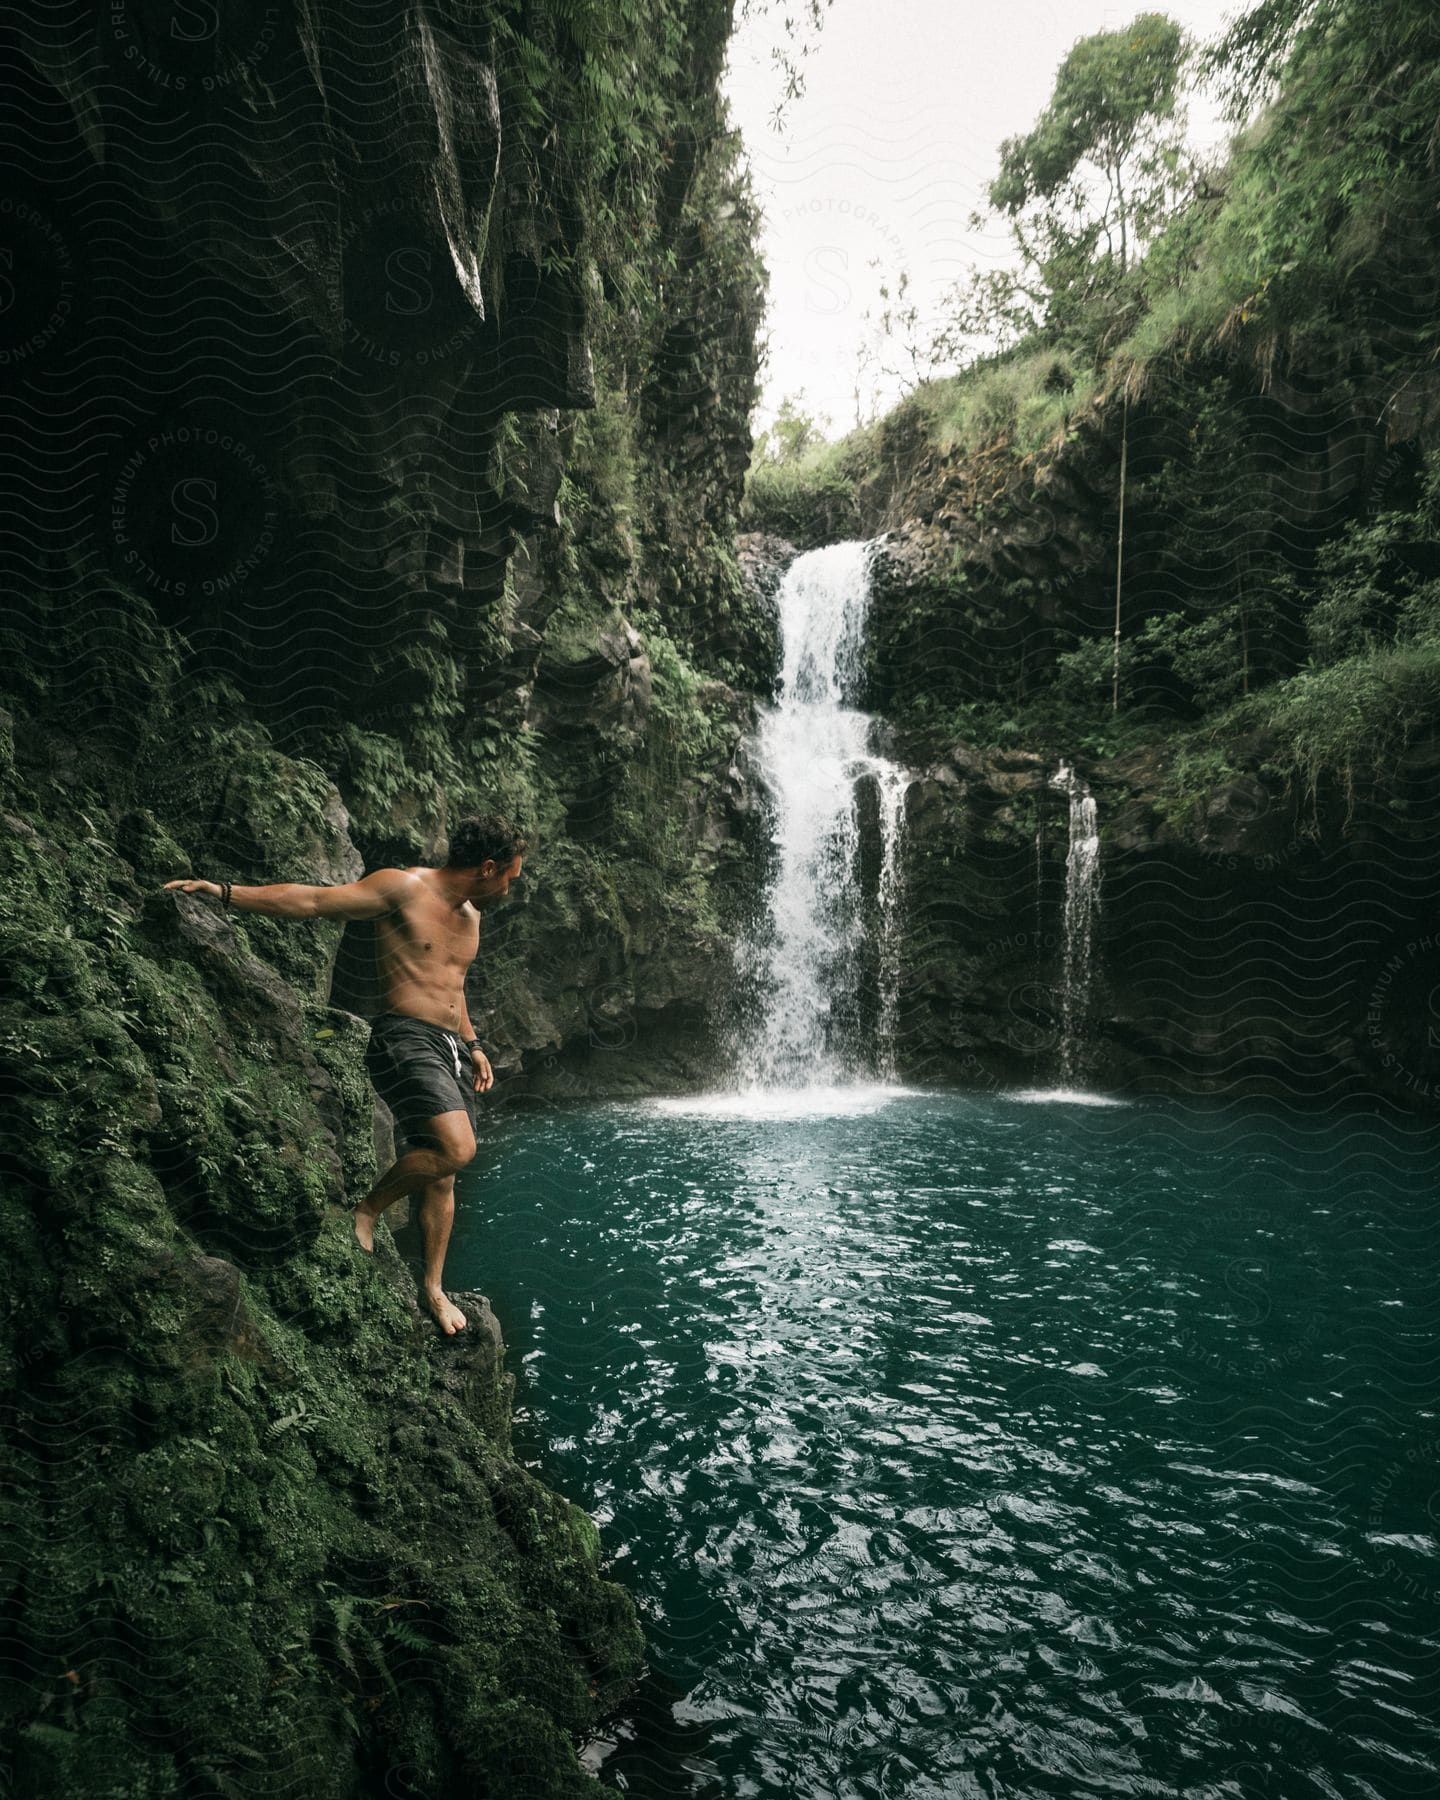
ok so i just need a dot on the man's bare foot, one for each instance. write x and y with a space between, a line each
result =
448 1316
365 1229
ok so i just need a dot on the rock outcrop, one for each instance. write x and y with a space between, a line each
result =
341 368
1249 940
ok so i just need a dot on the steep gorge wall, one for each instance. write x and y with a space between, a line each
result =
343 374
1253 922
1246 943
995 558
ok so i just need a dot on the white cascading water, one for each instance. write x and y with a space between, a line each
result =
892 781
1082 907
812 751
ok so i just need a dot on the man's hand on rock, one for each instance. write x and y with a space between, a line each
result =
211 889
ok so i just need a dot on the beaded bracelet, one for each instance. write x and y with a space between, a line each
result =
225 897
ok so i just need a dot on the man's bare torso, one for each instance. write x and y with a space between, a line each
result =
422 950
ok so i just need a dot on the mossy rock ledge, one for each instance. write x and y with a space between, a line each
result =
264 1530
267 1533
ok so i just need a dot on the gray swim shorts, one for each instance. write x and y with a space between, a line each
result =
419 1070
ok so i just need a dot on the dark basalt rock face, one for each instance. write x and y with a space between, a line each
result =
763 559
990 561
1250 940
306 552
314 305
245 1469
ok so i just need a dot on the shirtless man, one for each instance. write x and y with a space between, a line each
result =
423 1057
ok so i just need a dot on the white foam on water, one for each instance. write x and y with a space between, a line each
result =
821 1102
1068 1096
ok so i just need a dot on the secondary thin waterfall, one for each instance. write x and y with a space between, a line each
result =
1082 906
892 781
810 958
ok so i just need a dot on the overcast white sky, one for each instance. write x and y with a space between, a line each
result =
887 153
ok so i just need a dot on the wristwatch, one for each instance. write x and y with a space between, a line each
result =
474 1044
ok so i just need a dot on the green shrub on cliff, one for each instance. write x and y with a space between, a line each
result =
1378 582
1023 400
1372 683
1350 720
810 497
1325 200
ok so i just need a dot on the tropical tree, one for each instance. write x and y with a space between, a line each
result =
1087 188
793 432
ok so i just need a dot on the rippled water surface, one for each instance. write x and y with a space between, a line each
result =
992 1446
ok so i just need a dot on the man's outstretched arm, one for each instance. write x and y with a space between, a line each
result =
369 898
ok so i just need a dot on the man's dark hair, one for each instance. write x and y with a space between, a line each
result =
480 838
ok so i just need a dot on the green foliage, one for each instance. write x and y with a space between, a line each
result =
809 497
98 654
1068 716
1211 657
793 433
1247 60
604 102
1209 509
684 736
1327 195
1373 680
677 713
1024 400
1085 675
1194 772
1378 582
1109 89
1114 102
609 75
1114 117
1349 720
598 493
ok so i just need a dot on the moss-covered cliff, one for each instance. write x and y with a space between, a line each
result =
381 387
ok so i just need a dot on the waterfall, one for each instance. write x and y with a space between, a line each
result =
1082 907
893 781
809 958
